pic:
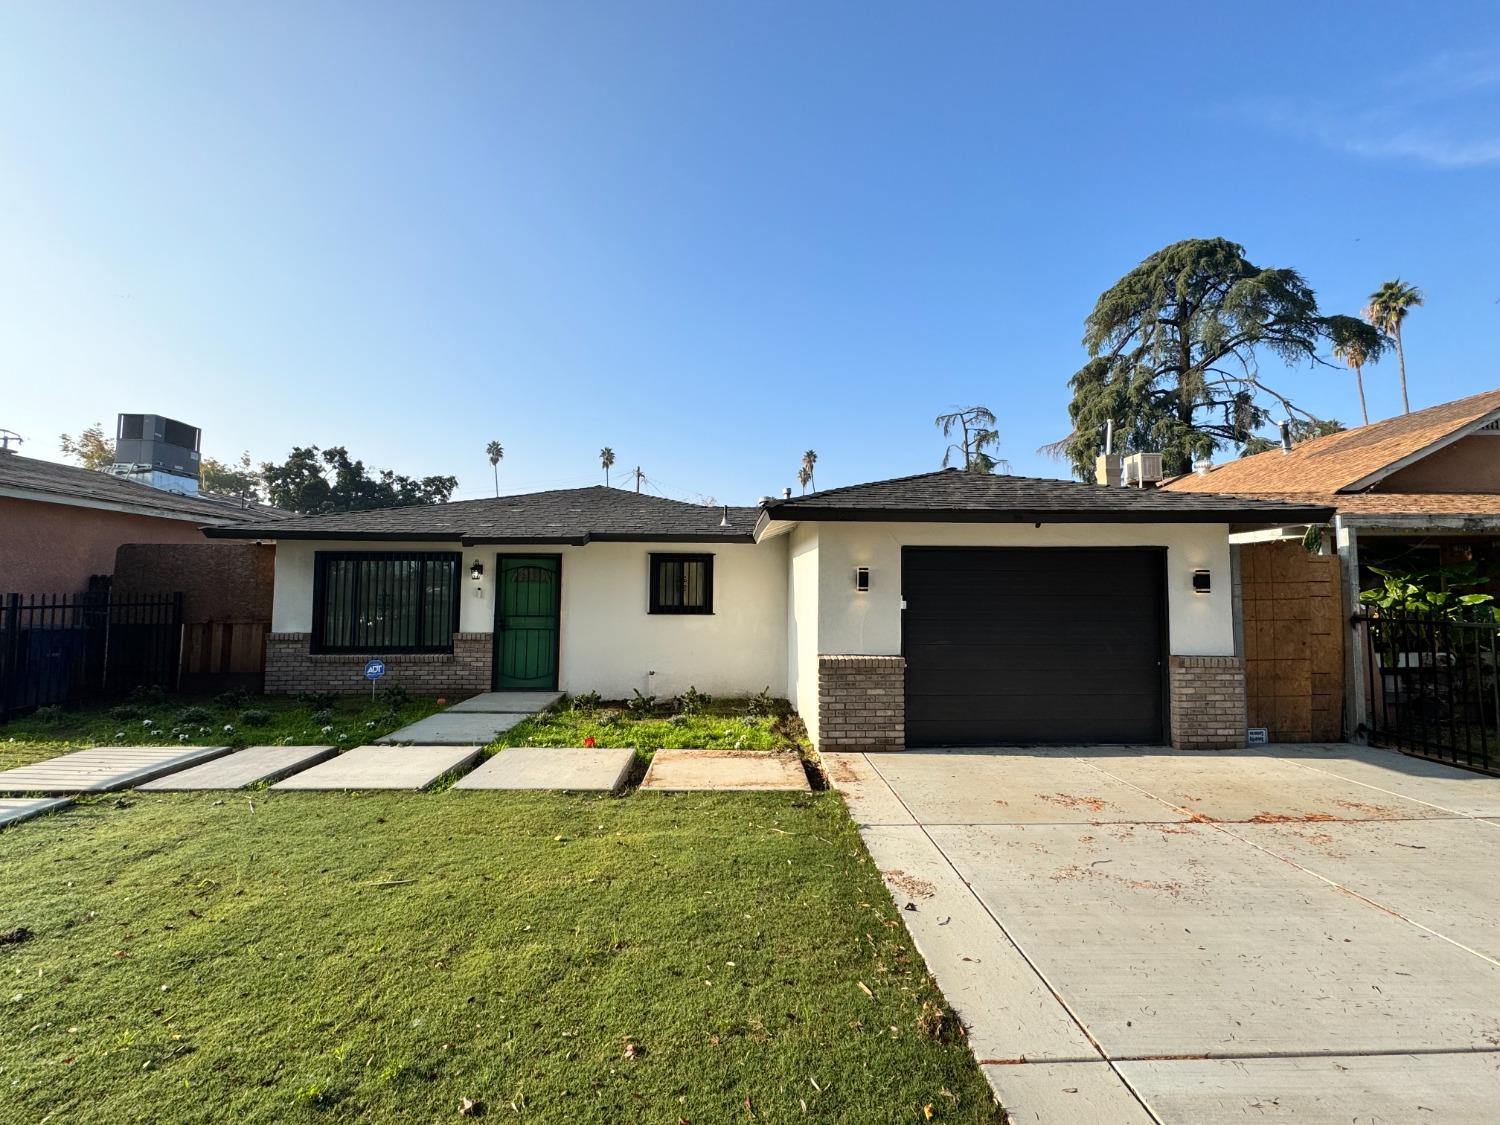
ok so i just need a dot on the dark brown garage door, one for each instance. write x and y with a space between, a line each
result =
1033 645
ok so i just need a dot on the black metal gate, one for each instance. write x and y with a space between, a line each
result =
67 648
1433 687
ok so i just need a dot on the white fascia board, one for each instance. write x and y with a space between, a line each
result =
1268 534
767 528
1426 451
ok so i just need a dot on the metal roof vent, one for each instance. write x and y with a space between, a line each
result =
1203 466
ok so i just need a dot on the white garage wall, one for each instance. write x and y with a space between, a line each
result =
870 624
609 641
802 622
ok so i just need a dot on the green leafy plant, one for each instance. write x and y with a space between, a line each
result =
317 700
148 694
255 717
193 716
394 697
126 711
640 704
763 703
233 698
585 702
693 701
50 714
1442 591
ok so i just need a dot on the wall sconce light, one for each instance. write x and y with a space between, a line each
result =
1201 582
862 580
476 570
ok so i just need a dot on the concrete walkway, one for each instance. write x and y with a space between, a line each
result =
243 768
384 767
13 810
1304 933
567 768
475 721
104 769
683 771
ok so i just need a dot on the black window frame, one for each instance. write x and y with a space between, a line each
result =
653 586
321 559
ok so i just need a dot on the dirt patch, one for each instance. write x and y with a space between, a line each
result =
1069 801
1200 818
1383 812
1173 889
910 884
840 772
1289 818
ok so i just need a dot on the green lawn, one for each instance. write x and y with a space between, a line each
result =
261 720
721 724
266 957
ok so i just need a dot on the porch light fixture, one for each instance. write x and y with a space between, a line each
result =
862 579
1201 582
476 570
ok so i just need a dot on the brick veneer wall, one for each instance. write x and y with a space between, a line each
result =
1208 702
862 703
291 668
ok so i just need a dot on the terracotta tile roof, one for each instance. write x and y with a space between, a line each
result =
1330 464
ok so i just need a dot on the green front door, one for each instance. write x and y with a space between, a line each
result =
527 604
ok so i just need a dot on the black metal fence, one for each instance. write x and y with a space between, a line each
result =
1434 687
68 648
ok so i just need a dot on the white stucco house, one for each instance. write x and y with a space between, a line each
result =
946 608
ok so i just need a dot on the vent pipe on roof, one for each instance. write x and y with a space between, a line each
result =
1203 467
724 519
786 493
1286 436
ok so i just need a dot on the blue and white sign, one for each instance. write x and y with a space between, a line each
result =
374 670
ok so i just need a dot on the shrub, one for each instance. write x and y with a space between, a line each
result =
148 693
585 702
394 697
126 711
255 717
194 716
640 704
317 700
233 698
323 717
692 701
764 703
51 713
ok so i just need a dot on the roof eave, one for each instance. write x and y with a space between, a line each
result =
1247 515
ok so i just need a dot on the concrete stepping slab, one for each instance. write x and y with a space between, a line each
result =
383 767
1081 1093
13 810
693 770
1455 1089
508 702
450 728
244 767
869 798
104 769
556 767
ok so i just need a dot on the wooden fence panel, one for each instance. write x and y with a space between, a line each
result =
218 655
1294 641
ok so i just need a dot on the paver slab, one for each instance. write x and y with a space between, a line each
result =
1232 786
1456 790
1182 939
508 702
1012 787
1440 874
1459 1089
1008 1012
383 767
870 798
454 728
556 767
685 770
1083 1093
245 767
13 810
103 769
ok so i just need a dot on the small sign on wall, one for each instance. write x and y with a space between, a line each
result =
1258 736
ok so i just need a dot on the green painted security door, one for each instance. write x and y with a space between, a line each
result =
526 615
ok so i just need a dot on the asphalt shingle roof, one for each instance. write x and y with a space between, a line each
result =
978 497
1325 465
572 515
69 482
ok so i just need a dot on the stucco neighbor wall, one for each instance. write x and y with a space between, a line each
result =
1470 464
609 642
55 548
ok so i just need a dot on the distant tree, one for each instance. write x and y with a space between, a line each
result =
1173 349
239 478
496 454
809 464
804 477
607 459
977 437
92 448
1357 343
1301 430
314 480
1386 311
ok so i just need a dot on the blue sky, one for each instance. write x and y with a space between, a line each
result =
709 235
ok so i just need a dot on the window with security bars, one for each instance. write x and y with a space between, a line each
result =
682 583
385 601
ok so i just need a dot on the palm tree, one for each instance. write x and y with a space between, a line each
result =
809 462
606 458
496 454
804 477
1386 310
1357 343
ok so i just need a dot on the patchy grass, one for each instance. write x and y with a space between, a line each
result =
149 719
296 957
731 724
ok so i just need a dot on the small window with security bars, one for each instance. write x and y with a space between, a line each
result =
682 583
384 601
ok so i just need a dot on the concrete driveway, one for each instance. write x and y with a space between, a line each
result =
1307 933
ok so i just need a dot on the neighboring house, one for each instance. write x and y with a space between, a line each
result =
944 608
61 525
1410 493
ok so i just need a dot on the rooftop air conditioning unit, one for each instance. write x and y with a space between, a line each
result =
1142 470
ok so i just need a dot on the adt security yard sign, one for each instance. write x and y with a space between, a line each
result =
374 669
